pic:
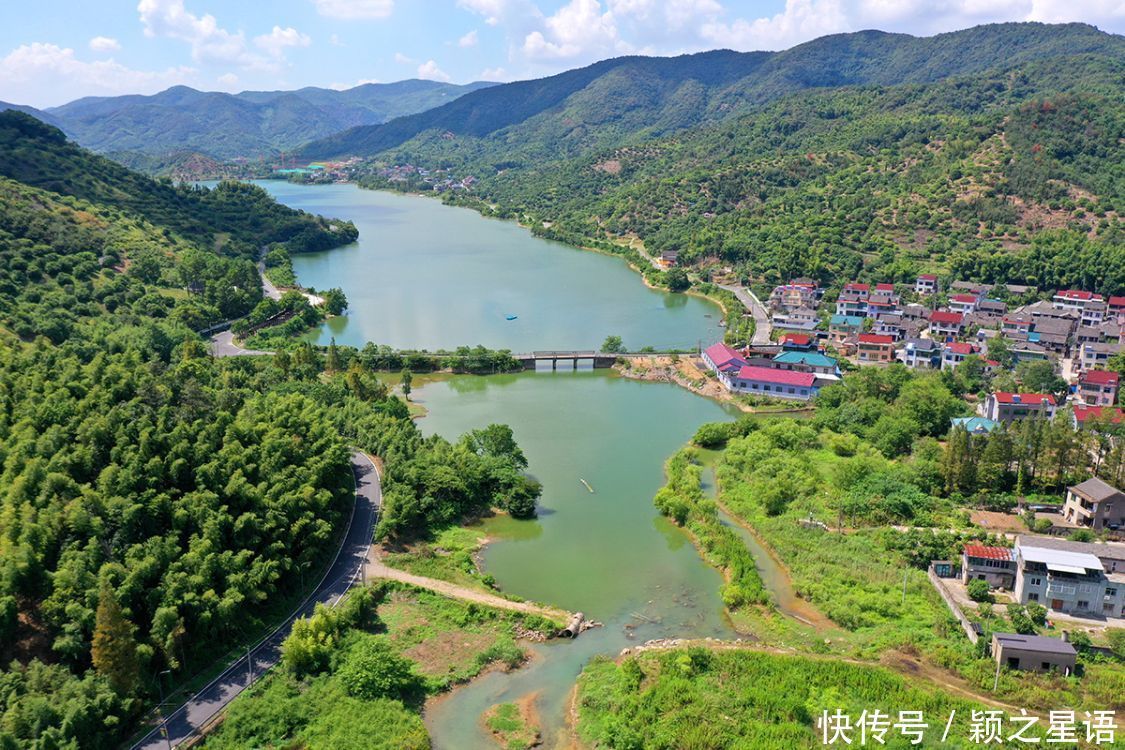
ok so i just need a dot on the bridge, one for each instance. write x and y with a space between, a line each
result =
600 360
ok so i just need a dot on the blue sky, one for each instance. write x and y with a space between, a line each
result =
54 51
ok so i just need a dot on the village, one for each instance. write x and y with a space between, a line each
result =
1071 571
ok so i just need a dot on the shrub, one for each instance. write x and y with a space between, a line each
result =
371 669
979 591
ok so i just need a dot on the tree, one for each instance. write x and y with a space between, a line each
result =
371 670
332 360
407 379
497 441
613 345
335 301
677 279
978 590
1039 376
114 650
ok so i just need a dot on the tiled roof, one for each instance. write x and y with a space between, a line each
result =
964 298
1100 377
780 377
875 338
1096 489
1115 414
721 354
813 359
798 339
988 553
1024 398
942 316
960 347
927 277
1078 294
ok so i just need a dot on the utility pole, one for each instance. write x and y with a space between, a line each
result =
160 708
996 682
904 574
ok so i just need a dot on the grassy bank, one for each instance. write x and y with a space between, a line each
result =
379 671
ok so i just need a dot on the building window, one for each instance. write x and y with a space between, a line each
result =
1046 666
1033 597
1013 662
1111 592
1036 581
1083 604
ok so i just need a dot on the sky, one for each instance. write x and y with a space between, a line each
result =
54 51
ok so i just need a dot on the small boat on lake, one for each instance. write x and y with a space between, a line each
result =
511 317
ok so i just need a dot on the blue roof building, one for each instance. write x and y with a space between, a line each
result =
975 425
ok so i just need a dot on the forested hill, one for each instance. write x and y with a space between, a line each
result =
250 124
160 509
71 218
625 99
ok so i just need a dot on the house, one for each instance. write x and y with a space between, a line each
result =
768 381
920 354
964 303
926 283
1095 504
994 565
1115 308
896 326
1093 356
992 306
1017 326
821 365
1088 335
974 425
799 319
1027 352
1077 578
669 258
1098 387
1033 653
883 299
875 348
788 297
955 353
946 325
1053 334
853 300
797 342
722 359
1010 407
1085 416
1075 299
914 311
841 327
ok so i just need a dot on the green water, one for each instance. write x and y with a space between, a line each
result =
427 276
608 554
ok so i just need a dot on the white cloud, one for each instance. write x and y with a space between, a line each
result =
493 74
228 80
353 10
45 75
429 70
579 28
104 44
279 39
469 40
360 82
334 40
402 59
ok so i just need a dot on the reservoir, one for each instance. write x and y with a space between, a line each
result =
427 276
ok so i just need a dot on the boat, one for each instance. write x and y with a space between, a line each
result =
511 317
583 481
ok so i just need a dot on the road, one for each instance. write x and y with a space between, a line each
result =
762 325
377 569
222 345
268 288
189 718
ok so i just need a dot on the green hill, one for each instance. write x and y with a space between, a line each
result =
250 124
630 98
993 153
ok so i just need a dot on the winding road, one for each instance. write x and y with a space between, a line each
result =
190 718
762 325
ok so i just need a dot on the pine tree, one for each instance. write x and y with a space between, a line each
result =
332 364
114 651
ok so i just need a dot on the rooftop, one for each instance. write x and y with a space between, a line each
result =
875 338
813 359
1039 643
944 316
975 425
780 377
960 347
1096 490
988 553
847 320
1100 377
1114 414
1060 560
1024 398
1104 549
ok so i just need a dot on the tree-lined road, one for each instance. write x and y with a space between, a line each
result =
189 718
762 325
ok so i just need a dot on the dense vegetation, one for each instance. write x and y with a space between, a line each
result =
250 124
700 698
356 676
159 507
941 154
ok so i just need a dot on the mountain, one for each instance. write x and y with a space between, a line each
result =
637 97
250 124
1010 170
36 113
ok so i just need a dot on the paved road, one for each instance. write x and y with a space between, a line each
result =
268 288
762 325
222 345
186 721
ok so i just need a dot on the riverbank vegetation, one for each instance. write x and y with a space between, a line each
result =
831 506
358 676
730 697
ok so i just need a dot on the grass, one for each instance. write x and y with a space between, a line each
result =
510 727
446 641
733 698
448 557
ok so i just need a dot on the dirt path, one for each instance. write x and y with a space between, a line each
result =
377 569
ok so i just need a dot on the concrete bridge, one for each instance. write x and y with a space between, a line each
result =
600 360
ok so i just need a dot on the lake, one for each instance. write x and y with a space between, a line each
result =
427 276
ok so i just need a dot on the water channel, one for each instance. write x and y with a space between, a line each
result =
426 275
